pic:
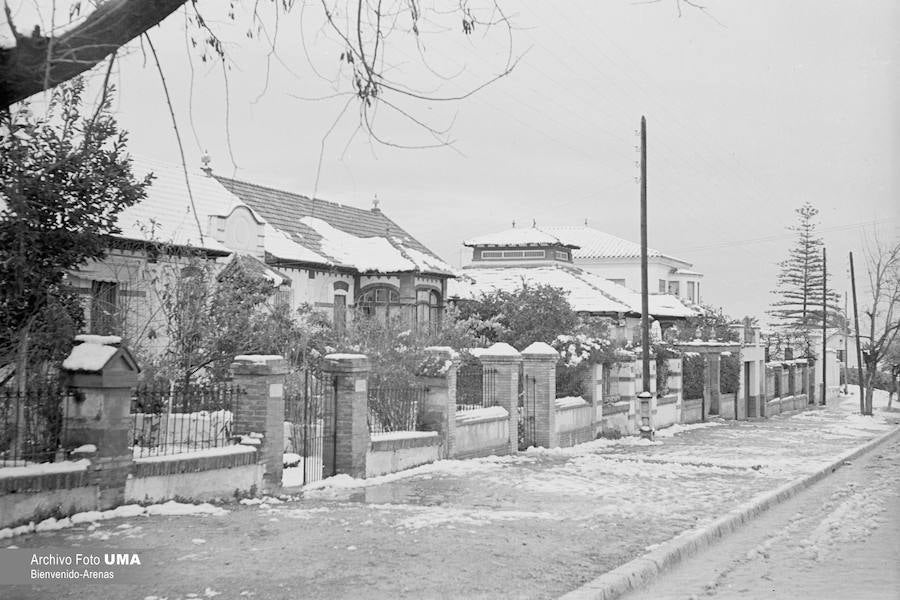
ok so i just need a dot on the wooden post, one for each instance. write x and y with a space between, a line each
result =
862 395
822 400
645 300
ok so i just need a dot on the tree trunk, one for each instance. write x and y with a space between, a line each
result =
870 388
38 62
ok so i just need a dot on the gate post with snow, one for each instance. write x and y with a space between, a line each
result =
539 362
501 367
98 415
438 373
346 422
260 409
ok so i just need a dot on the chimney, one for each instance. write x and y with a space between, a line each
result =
375 203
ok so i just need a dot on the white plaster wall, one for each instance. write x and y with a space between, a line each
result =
202 485
382 462
569 419
471 437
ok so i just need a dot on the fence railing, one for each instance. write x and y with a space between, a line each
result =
470 384
168 420
394 407
33 424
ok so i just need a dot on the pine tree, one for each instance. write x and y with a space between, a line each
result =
798 308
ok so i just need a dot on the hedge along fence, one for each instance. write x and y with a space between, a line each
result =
693 375
729 373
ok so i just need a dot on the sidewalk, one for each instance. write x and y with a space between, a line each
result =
531 526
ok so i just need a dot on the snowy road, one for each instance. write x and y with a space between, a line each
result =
534 525
840 539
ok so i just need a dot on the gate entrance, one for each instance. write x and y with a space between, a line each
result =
526 408
308 402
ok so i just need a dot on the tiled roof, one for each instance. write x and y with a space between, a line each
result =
166 214
518 236
320 226
587 292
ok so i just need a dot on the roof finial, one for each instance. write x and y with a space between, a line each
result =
534 223
585 222
514 223
375 203
206 159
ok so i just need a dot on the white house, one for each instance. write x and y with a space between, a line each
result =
505 260
619 260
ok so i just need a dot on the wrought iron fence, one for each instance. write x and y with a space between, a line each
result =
470 386
394 406
170 420
33 424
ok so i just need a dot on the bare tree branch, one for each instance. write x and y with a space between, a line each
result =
35 63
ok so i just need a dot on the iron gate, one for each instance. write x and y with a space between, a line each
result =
309 427
526 408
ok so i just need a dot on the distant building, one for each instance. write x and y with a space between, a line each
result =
619 260
504 260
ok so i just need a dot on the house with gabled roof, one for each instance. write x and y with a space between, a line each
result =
330 256
532 255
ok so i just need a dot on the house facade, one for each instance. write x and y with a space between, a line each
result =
507 259
321 254
619 260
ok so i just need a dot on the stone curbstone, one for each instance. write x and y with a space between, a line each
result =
640 571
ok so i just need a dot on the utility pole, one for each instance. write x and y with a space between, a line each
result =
645 397
862 398
822 401
846 335
645 289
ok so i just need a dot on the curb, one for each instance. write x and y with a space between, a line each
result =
640 571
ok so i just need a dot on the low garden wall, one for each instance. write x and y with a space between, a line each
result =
692 410
666 411
616 417
399 450
574 421
481 432
201 475
56 489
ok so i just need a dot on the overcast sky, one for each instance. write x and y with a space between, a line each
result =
751 111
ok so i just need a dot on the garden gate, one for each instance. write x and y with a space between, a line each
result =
309 401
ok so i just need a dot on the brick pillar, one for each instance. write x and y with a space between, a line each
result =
346 420
100 414
439 412
260 409
504 361
539 361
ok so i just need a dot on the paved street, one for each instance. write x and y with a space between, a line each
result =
838 539
531 526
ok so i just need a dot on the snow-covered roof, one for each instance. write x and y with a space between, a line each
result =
166 214
588 292
593 243
518 236
335 234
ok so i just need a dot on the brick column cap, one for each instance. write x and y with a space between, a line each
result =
501 352
259 364
346 363
540 351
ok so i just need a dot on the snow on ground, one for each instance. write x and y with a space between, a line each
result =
170 508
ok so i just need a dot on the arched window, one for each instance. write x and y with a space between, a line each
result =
428 306
381 302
